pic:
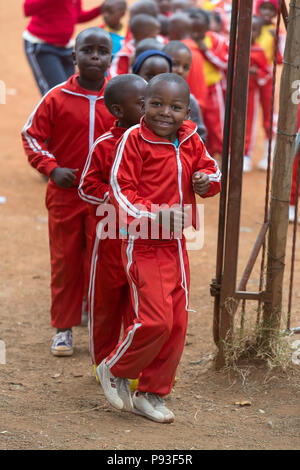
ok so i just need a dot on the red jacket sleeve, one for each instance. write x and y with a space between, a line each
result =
87 15
218 54
34 7
35 134
93 187
204 163
124 180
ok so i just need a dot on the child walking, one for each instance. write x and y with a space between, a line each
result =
57 138
109 296
159 163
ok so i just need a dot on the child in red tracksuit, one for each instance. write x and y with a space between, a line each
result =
214 49
57 138
159 166
259 75
109 296
142 26
266 40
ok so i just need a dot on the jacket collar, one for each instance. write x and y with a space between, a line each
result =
187 129
117 131
72 86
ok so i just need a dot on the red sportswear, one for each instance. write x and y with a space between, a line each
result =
150 171
54 21
64 126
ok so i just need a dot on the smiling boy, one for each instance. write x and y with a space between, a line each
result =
159 165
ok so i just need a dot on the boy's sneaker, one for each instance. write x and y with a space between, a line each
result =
115 389
292 213
247 165
152 407
62 344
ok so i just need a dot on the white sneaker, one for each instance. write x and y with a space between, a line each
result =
152 407
247 165
62 344
115 389
263 164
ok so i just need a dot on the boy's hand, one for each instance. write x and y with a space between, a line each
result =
253 69
172 219
200 183
64 177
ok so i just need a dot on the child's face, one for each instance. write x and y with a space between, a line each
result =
153 66
182 62
93 56
268 11
199 29
256 30
166 108
133 108
113 13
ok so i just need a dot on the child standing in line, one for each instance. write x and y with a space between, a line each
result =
159 166
181 65
259 74
113 12
214 50
142 27
109 296
57 138
266 40
150 63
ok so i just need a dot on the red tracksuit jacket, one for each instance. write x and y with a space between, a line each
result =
94 182
64 126
54 20
149 170
258 58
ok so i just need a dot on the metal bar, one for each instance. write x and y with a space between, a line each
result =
253 257
225 157
240 94
284 13
246 295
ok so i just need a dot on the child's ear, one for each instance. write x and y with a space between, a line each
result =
187 116
117 111
74 58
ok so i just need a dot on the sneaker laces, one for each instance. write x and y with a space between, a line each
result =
63 337
154 399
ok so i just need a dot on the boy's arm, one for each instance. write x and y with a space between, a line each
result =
87 15
93 188
264 72
218 54
205 165
33 7
35 134
124 180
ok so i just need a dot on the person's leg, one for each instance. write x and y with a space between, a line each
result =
66 237
38 73
109 297
152 299
159 376
67 63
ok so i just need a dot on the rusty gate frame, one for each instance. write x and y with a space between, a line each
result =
223 287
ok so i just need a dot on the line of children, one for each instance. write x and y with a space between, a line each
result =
109 297
57 138
161 161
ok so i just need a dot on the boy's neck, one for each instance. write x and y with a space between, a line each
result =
91 85
123 124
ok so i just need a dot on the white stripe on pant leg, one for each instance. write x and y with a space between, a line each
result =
128 340
42 82
91 293
183 275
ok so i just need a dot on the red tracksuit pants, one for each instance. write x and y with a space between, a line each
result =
252 114
265 96
71 230
295 167
108 299
152 346
214 118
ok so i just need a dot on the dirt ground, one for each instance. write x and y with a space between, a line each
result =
52 403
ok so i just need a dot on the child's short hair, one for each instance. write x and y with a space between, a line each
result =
174 46
164 22
196 13
92 30
115 90
147 7
147 44
168 78
143 23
